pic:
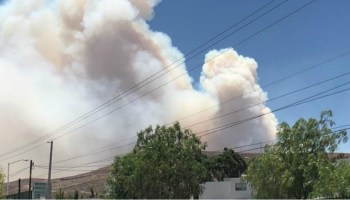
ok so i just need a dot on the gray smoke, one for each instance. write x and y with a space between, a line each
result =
60 59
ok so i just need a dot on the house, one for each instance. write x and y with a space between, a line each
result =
230 188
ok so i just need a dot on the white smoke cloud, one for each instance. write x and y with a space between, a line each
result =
59 60
228 75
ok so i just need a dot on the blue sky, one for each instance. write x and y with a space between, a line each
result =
315 34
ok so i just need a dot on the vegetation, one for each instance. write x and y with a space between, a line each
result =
75 195
2 178
298 165
60 195
335 182
167 162
227 164
92 193
70 196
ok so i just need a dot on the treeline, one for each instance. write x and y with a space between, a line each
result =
168 162
301 164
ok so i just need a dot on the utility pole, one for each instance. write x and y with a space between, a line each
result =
49 178
19 188
8 173
30 178
8 178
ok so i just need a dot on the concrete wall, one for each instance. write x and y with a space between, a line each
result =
226 189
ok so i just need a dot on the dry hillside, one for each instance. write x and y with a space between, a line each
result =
82 183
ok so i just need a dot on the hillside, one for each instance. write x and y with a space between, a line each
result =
82 183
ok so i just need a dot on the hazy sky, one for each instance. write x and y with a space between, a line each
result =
315 34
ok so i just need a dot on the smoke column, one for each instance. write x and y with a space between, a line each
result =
60 59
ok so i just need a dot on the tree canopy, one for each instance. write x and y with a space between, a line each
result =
295 165
168 162
334 182
229 164
2 178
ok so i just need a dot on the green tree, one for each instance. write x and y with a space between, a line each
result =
229 164
167 162
2 178
76 194
60 195
294 165
334 182
265 174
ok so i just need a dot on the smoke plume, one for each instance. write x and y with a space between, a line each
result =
58 60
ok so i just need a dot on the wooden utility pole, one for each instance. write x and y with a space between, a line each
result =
8 179
30 178
19 188
49 178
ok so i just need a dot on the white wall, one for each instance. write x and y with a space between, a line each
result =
225 190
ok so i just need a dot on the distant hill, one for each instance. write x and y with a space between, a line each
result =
82 183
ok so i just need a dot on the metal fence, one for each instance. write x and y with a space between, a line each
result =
22 195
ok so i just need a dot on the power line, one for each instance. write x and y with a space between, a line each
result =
13 156
241 151
164 84
220 129
203 51
250 149
307 87
109 159
73 170
272 99
321 82
76 157
248 145
94 153
272 141
343 126
291 105
302 101
281 19
120 96
305 100
255 117
18 172
246 150
269 84
64 167
215 151
212 39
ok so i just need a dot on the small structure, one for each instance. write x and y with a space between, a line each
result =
39 190
230 188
